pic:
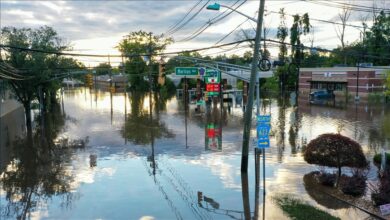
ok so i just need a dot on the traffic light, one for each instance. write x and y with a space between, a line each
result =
88 80
161 74
112 89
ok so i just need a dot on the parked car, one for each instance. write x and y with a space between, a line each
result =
322 94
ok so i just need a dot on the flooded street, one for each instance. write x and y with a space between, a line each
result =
132 156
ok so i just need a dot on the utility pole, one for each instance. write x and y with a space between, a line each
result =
248 111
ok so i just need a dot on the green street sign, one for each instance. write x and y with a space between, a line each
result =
213 76
186 71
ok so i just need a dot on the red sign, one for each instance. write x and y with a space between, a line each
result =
212 87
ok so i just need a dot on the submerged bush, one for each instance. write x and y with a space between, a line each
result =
327 179
381 195
353 185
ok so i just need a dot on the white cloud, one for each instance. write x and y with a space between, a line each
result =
84 22
21 13
53 6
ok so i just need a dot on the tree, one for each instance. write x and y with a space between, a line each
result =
282 35
133 46
335 150
301 25
38 69
340 31
103 69
377 40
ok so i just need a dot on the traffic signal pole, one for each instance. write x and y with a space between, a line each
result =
252 82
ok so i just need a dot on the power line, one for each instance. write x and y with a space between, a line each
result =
348 6
181 20
195 50
320 20
190 19
211 22
227 35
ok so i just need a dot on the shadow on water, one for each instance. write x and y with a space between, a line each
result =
314 190
36 170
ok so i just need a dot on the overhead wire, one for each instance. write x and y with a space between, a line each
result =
320 20
211 22
227 35
188 51
181 20
190 19
352 8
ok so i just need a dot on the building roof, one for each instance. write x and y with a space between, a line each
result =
343 69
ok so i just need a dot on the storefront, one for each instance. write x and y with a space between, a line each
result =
342 80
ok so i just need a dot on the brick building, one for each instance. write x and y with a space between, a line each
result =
342 80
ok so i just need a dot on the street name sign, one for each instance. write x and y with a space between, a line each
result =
186 71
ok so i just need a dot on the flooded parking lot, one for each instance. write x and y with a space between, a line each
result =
136 156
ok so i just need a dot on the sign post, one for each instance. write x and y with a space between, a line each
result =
213 82
263 129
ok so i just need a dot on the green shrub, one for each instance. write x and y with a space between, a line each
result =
375 97
378 158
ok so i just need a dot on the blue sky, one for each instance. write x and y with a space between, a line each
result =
97 26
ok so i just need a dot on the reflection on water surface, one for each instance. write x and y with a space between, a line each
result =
136 156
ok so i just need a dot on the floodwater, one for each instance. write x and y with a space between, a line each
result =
132 156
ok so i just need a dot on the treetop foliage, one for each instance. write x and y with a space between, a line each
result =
142 42
335 150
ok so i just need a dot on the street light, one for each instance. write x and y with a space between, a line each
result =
248 109
217 6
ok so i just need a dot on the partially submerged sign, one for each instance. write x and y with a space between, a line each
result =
263 119
263 129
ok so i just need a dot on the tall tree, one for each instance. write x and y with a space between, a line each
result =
301 25
340 30
136 44
282 35
36 68
378 41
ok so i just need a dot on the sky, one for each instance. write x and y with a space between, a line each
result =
96 27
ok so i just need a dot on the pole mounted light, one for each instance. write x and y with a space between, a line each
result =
214 7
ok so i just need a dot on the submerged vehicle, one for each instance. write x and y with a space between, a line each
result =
321 94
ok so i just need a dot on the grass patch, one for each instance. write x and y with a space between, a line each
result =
297 209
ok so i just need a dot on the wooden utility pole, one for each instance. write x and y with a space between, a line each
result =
252 84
